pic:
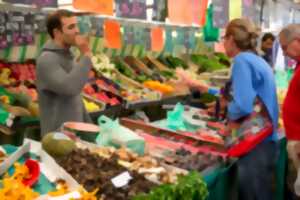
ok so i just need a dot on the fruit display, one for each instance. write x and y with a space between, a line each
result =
92 106
157 86
12 73
5 77
95 172
93 90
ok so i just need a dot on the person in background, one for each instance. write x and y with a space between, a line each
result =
289 39
267 46
251 78
60 78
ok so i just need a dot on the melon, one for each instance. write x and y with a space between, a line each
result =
57 144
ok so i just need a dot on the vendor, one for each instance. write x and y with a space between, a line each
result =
267 46
60 78
251 79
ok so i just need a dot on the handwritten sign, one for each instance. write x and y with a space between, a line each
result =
39 3
221 13
131 9
3 39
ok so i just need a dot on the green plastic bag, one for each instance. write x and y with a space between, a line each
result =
5 117
282 78
116 135
4 92
175 119
211 33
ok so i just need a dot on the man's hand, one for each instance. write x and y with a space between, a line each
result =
83 45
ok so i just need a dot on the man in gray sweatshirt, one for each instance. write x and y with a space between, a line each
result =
60 78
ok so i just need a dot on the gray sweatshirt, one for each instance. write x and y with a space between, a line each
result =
59 83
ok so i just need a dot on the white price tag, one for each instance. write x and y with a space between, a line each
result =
121 180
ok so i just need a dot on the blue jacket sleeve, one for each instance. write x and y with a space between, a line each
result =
243 91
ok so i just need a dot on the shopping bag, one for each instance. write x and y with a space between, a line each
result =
116 135
246 133
175 120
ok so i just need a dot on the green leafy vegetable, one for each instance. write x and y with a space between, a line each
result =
190 187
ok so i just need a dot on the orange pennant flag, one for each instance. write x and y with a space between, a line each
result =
104 7
204 4
112 34
157 39
180 11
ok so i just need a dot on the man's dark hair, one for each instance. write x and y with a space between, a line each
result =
54 20
268 36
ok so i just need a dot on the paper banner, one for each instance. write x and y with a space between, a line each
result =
168 40
189 39
235 9
131 9
104 7
97 26
28 29
159 11
221 13
3 38
180 11
157 39
112 34
84 24
187 11
147 39
180 36
20 28
128 35
39 3
138 35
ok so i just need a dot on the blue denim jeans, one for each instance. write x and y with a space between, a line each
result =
256 172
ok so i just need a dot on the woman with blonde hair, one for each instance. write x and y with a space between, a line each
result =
251 79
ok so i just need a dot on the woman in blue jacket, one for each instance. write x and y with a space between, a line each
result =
252 78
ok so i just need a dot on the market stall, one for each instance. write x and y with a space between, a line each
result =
152 136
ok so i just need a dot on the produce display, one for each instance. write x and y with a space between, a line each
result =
92 106
173 62
13 186
156 85
13 73
95 172
95 90
194 162
210 64
189 187
145 165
